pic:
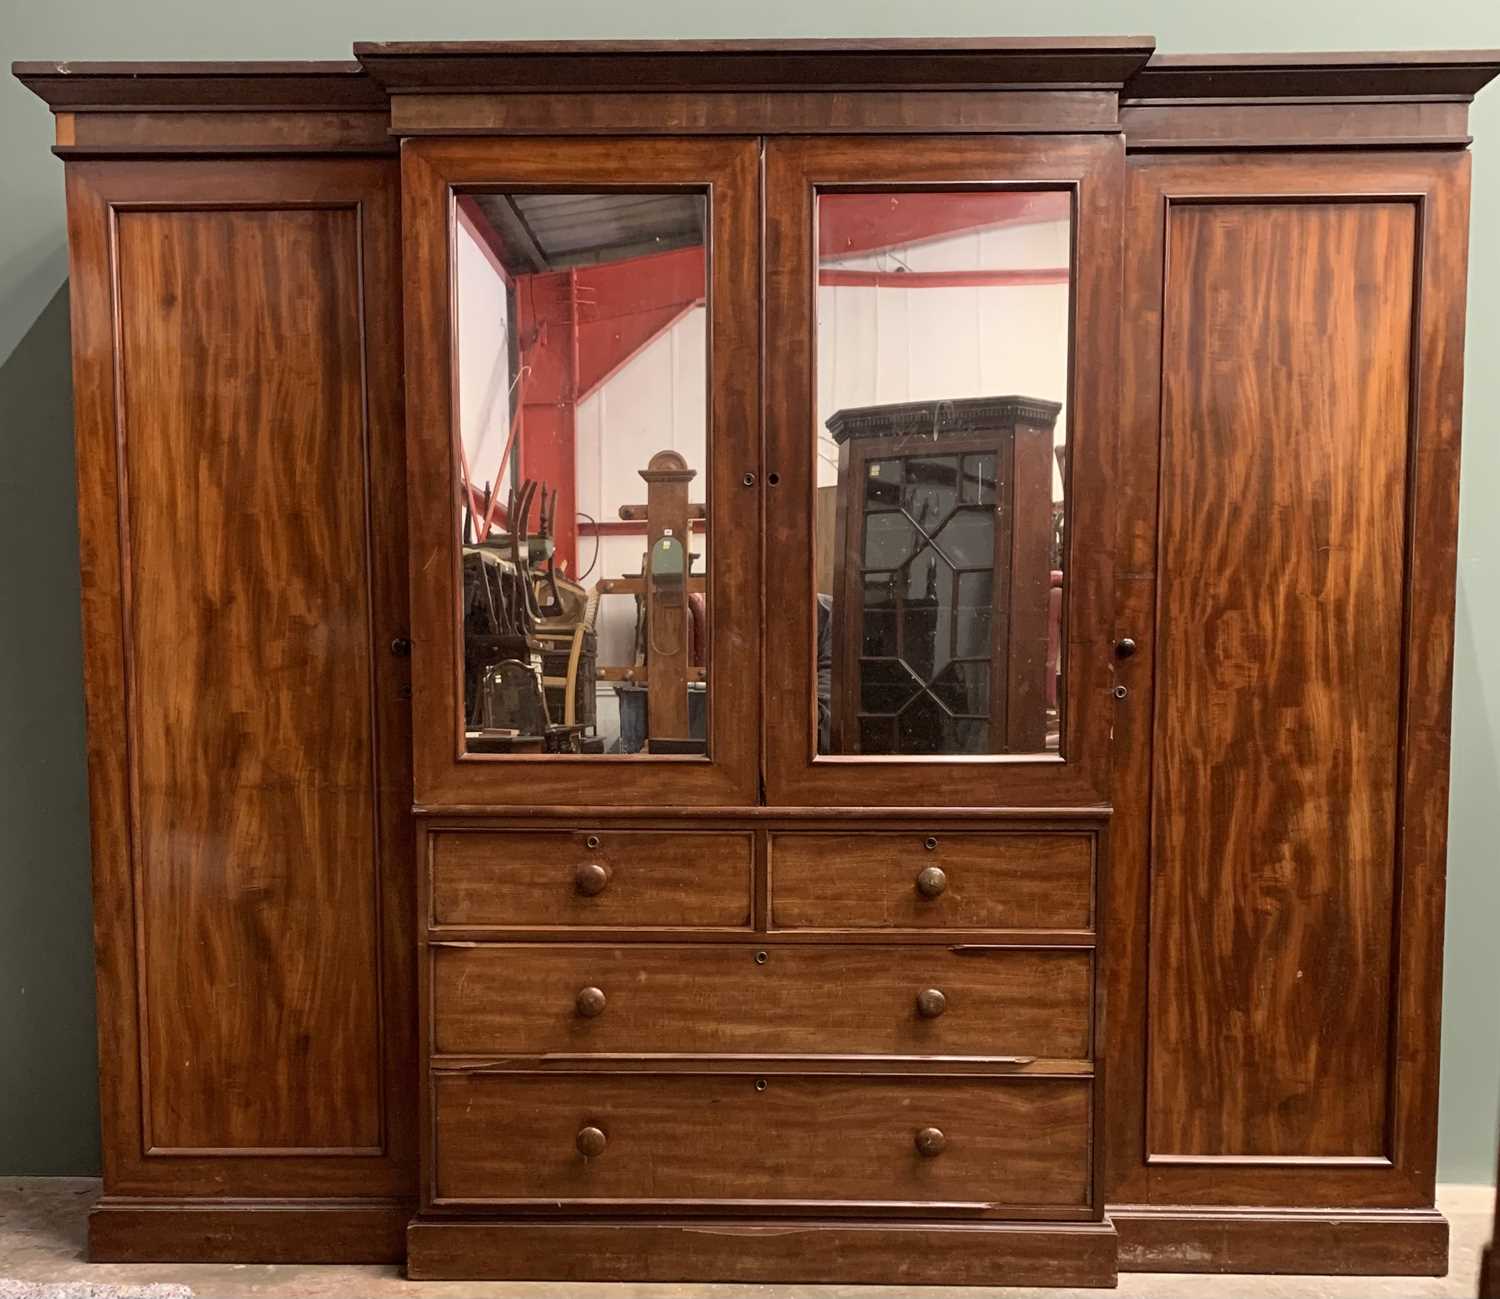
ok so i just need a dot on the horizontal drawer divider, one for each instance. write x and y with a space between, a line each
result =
476 935
491 816
853 1065
958 940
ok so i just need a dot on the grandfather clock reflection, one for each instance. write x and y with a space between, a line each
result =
947 575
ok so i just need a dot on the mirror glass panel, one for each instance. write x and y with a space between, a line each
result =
942 377
581 447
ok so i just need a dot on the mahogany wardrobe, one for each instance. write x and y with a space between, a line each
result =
770 661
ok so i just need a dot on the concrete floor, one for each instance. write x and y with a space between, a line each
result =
42 1229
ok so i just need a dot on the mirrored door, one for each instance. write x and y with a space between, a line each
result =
939 386
591 538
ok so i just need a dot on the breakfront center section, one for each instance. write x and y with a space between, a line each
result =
761 675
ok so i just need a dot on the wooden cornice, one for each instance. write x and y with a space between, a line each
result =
1179 102
515 67
755 87
1444 74
112 110
1210 102
167 87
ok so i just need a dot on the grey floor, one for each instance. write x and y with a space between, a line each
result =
42 1227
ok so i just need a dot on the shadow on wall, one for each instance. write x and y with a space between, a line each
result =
1471 1026
49 1105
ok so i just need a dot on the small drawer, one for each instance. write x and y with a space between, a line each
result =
739 999
932 881
609 879
982 1146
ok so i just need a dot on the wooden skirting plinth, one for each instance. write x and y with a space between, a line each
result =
1287 1242
789 1252
130 1230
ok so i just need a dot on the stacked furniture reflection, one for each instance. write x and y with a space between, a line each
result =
943 575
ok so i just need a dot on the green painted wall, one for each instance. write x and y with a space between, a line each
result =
48 1123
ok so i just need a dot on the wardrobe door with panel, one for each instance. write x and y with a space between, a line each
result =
582 352
235 334
940 391
1277 879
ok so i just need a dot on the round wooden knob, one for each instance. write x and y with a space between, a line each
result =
931 881
591 1001
930 1141
591 878
930 1003
591 1142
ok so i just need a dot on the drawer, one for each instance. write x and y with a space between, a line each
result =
997 1147
940 881
551 879
792 999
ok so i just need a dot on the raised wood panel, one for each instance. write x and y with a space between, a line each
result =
250 646
803 999
238 424
1010 1144
1142 1163
1286 375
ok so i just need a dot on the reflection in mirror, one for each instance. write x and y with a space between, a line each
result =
942 350
581 447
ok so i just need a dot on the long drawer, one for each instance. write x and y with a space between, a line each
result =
550 879
907 880
791 999
982 1145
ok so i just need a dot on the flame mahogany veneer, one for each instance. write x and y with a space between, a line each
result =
1169 1001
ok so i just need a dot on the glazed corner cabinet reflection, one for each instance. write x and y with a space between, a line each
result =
422 934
